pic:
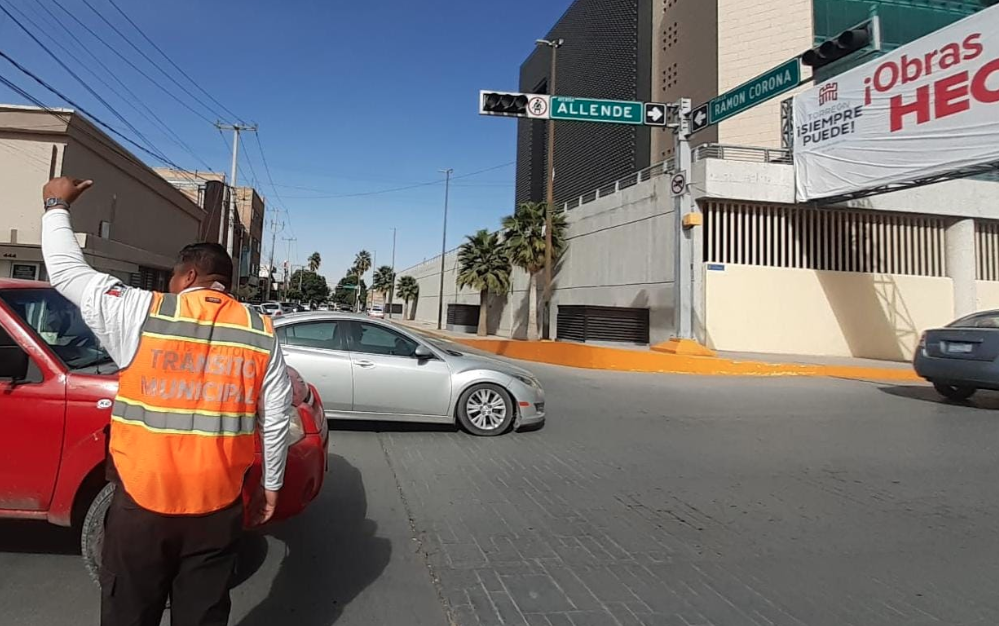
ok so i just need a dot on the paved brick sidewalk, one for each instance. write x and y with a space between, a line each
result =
648 501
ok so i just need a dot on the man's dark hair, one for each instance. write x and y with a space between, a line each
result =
209 259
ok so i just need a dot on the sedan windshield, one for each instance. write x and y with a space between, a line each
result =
59 324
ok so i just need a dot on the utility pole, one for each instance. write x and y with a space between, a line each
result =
440 295
392 287
287 266
270 266
684 249
554 44
237 254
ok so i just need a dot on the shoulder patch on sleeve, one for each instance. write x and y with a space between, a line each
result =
116 290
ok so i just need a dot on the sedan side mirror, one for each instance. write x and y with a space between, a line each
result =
423 353
13 363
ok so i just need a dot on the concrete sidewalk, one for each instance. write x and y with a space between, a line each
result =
639 359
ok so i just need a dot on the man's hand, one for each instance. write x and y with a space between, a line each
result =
262 506
65 189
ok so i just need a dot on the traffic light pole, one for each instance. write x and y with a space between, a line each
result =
683 205
549 197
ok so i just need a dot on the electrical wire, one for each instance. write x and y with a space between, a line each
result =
151 62
134 102
405 188
64 117
129 62
169 60
76 77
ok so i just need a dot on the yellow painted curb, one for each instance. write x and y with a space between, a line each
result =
601 358
684 347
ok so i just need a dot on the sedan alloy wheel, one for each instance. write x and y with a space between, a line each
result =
486 409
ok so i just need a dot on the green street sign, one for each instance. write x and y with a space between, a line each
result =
780 79
589 110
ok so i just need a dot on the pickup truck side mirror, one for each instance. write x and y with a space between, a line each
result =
422 353
13 363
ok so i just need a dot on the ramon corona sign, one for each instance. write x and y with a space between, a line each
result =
928 108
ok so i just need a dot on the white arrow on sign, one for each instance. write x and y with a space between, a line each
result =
656 114
700 118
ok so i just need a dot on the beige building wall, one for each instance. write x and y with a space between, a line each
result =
684 62
146 219
809 312
753 37
987 293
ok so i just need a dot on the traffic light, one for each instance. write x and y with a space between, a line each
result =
845 44
503 103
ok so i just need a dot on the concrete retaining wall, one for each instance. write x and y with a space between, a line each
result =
620 254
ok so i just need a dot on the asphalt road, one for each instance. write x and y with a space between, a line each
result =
646 499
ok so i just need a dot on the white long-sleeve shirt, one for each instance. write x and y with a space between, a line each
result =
117 321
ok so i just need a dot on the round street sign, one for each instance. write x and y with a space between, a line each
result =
537 106
678 184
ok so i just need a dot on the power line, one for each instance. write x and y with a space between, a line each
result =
135 103
405 188
169 60
151 62
76 106
129 62
75 76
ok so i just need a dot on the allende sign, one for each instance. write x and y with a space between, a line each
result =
928 108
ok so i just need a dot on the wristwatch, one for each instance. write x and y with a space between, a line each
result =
56 203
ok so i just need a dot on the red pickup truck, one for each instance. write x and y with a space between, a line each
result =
56 389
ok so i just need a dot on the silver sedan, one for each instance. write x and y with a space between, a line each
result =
375 370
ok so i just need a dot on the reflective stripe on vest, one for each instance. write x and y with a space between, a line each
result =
183 422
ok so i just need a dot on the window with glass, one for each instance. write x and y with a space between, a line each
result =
325 335
377 339
902 21
59 324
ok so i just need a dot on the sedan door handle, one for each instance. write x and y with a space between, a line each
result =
364 363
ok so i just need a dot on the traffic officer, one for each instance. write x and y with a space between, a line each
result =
199 373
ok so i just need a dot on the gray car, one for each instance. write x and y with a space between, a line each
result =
962 357
375 370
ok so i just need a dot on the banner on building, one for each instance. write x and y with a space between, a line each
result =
927 108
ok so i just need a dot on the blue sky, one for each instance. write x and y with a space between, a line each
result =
328 83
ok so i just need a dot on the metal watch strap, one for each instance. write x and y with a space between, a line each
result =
54 203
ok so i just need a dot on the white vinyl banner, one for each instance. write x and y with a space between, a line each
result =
927 108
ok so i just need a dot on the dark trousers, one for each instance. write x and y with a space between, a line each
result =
148 557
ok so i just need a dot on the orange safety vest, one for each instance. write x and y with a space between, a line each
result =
183 422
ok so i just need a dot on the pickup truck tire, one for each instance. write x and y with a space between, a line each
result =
92 535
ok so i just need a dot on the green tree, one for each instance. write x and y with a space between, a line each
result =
362 262
315 261
313 287
409 290
383 281
345 293
524 238
483 265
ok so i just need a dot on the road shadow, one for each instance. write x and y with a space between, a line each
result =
985 400
38 537
332 553
365 426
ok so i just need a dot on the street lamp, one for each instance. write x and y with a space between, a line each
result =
554 44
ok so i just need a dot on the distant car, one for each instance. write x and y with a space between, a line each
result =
376 311
323 307
962 357
272 308
292 307
375 370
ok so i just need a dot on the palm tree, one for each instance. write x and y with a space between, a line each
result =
315 261
524 237
483 265
408 289
362 262
383 281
